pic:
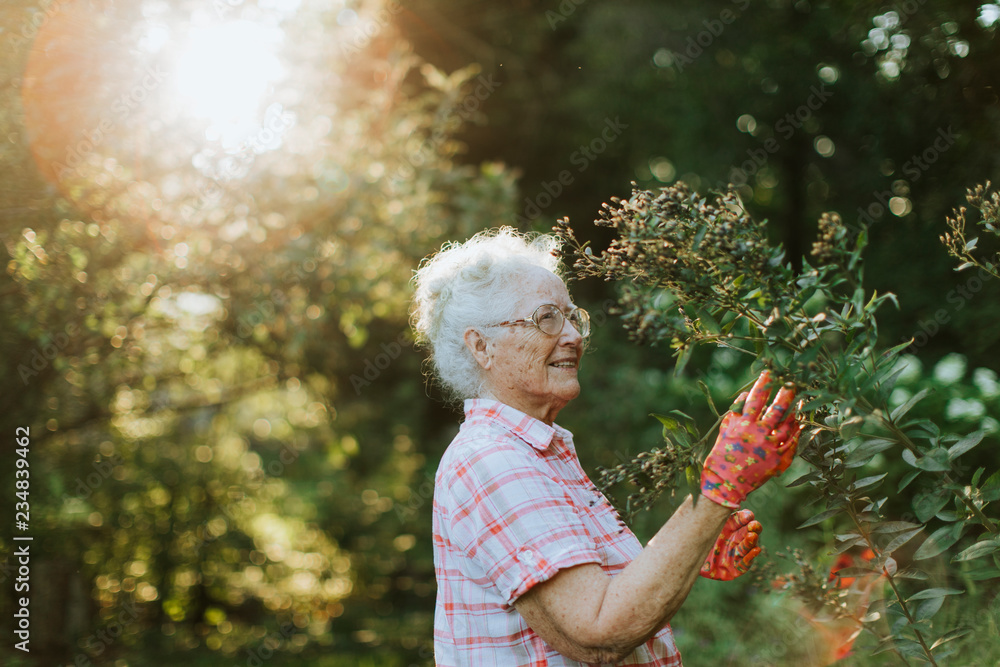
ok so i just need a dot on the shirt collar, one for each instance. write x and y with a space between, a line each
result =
536 433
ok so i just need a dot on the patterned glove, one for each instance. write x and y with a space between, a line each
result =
735 549
751 448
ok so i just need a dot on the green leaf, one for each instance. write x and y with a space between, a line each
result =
846 536
912 573
692 475
847 544
939 541
936 460
895 350
907 478
668 422
978 550
928 608
991 487
982 573
708 395
894 644
901 411
965 444
803 479
912 649
928 504
866 482
922 428
708 322
886 385
951 634
932 593
850 427
894 526
858 300
683 357
818 518
900 540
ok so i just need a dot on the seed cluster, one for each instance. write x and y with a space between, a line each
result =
677 236
653 472
966 250
819 592
831 231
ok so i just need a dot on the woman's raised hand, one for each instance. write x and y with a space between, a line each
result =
753 445
735 548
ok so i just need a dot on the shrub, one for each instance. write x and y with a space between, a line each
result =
698 271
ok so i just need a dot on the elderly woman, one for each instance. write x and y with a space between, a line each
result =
533 565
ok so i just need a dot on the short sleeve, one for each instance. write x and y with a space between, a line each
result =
513 520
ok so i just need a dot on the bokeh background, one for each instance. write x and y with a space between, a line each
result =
211 209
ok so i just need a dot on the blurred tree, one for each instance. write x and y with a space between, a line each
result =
206 304
876 110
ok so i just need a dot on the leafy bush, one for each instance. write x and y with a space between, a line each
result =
698 271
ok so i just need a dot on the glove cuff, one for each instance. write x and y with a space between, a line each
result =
719 490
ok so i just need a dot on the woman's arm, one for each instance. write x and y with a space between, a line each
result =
589 616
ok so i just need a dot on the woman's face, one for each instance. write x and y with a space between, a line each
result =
530 370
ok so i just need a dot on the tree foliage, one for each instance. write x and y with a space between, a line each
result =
697 270
206 336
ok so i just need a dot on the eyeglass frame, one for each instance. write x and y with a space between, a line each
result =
566 318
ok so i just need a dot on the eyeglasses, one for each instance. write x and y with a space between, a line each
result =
548 319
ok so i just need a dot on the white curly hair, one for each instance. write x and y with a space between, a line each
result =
472 284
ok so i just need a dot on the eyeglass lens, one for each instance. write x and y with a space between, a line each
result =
550 320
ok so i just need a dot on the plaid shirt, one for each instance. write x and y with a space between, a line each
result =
512 507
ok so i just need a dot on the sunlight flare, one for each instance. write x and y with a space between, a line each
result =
224 71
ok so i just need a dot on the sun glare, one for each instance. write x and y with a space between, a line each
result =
224 71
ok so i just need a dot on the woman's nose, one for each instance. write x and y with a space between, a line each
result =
570 329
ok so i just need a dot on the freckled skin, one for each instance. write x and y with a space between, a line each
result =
517 359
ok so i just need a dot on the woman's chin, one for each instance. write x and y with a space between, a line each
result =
570 391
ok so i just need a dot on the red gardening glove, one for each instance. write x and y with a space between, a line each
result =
751 447
735 549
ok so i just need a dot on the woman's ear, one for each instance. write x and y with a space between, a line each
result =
479 347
